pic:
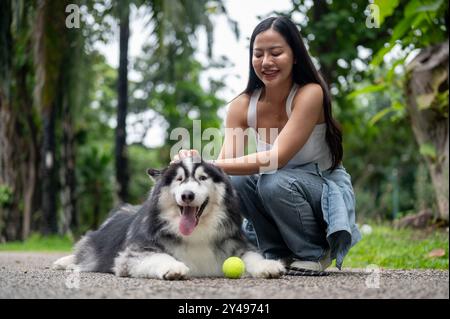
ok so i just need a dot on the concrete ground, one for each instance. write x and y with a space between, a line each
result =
28 275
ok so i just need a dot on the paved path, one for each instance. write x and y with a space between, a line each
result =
28 275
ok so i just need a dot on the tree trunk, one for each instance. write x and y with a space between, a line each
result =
68 180
70 89
5 49
121 148
16 179
9 173
7 121
29 148
428 108
51 45
49 175
18 134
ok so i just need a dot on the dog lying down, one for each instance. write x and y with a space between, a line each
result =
186 228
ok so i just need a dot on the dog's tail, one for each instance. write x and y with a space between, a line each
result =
64 263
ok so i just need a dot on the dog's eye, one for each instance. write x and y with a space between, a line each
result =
179 179
203 178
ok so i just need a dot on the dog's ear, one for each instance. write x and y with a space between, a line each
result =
154 174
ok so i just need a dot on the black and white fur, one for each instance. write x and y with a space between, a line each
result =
148 242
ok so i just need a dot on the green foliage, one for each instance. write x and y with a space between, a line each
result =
6 200
92 94
367 89
373 147
399 249
96 184
368 95
171 85
5 195
345 23
421 25
141 159
386 8
428 150
375 201
68 71
441 103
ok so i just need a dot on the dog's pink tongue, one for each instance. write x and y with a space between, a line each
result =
188 220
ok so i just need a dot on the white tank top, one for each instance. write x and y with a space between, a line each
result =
315 149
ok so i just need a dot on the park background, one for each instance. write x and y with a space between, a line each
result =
86 108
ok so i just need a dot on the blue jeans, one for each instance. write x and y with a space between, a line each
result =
285 211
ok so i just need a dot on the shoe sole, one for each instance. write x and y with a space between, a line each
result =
305 272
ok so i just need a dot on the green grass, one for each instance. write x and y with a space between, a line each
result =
392 248
385 246
40 243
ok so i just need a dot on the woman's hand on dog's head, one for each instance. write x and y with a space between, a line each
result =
182 154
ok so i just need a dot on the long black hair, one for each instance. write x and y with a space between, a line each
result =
304 72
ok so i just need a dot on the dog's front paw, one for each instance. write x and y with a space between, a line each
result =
174 271
153 266
267 268
67 262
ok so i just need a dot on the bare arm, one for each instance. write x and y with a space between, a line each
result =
234 145
305 115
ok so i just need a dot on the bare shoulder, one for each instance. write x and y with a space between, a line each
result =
309 95
310 91
240 103
237 111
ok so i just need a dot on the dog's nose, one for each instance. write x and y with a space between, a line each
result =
187 196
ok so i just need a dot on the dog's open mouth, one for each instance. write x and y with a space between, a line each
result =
190 215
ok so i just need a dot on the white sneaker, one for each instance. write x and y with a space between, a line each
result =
320 265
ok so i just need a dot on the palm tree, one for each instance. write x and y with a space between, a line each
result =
122 175
18 129
8 208
53 54
174 23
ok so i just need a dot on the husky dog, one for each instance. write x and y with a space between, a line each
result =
186 228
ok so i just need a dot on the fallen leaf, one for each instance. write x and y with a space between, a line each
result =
436 253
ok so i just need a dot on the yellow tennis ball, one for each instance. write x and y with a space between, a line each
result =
233 267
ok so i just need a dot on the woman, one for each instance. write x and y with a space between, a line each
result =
294 189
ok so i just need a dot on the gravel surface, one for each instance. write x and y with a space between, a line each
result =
28 275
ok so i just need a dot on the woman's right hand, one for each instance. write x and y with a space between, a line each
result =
182 154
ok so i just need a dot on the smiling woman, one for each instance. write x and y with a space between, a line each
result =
293 190
272 58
